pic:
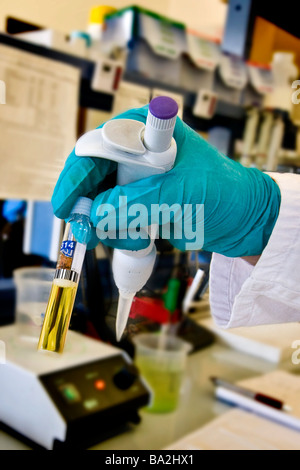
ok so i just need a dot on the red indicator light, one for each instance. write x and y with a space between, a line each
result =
100 384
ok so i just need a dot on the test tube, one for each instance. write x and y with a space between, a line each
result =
66 278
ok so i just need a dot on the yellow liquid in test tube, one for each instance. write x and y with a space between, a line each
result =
66 278
58 315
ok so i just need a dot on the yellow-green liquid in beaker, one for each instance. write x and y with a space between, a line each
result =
164 383
58 315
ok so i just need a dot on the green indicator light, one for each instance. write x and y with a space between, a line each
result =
70 393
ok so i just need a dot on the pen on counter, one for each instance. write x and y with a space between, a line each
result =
257 396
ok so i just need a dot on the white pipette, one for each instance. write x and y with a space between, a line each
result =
140 150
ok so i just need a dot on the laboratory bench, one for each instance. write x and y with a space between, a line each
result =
197 407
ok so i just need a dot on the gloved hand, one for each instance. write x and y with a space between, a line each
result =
241 204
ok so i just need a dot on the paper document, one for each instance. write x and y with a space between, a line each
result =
240 430
270 342
281 385
37 122
259 427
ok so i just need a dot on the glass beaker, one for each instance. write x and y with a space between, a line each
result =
33 285
161 360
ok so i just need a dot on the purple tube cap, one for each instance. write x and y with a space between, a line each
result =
163 107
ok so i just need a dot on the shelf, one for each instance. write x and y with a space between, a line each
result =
227 114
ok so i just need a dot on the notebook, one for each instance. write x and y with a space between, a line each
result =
279 384
239 430
253 426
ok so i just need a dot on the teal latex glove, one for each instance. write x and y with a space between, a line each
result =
241 204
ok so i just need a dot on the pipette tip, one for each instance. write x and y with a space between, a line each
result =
124 306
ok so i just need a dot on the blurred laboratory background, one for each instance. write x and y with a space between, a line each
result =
66 68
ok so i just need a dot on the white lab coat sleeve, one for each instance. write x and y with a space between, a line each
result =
269 292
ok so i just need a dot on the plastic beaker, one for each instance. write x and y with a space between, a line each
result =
33 286
161 360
